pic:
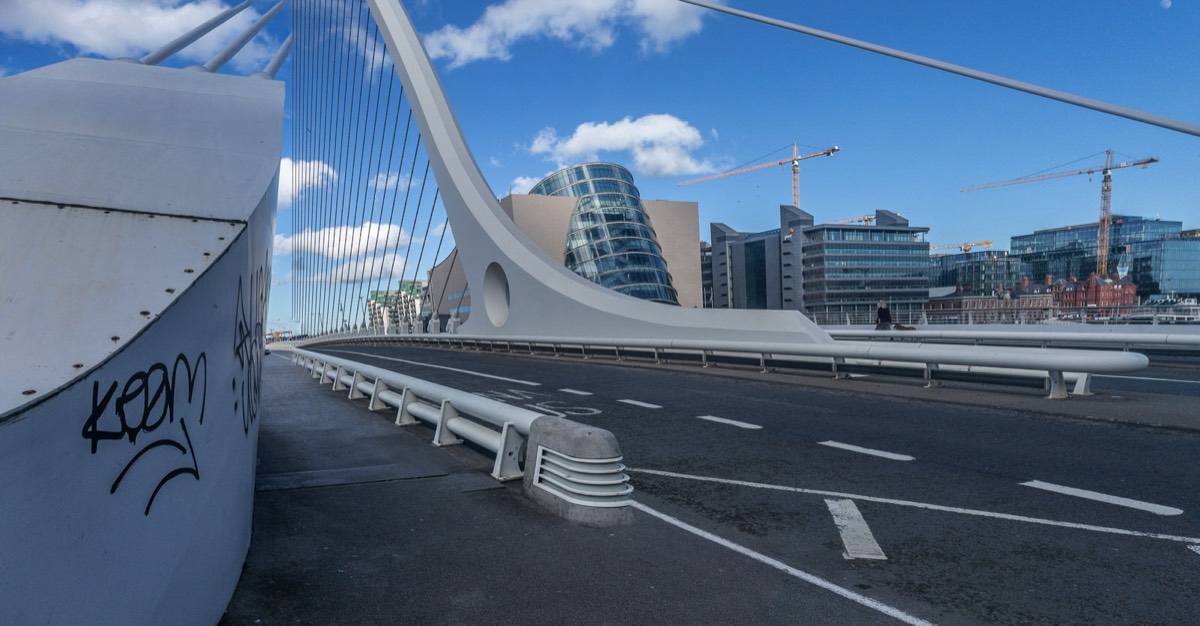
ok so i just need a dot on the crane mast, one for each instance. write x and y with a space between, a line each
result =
1105 224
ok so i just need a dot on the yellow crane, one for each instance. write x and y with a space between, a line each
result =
794 161
865 219
965 247
1105 223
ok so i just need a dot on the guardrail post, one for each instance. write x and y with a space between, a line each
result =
355 392
1058 387
508 458
837 360
1083 385
704 358
930 383
442 436
338 385
324 373
403 416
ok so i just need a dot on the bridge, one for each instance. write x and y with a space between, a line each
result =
658 455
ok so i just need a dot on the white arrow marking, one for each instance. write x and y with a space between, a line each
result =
1157 509
879 453
721 420
1195 549
856 535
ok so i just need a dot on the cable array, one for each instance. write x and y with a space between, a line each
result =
364 203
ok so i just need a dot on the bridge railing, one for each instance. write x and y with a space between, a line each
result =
577 466
1056 367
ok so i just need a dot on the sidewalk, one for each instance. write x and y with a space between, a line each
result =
358 521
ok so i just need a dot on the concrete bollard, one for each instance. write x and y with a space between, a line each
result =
575 471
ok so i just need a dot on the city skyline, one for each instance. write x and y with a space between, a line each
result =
674 92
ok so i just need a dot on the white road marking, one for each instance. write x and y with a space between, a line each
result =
721 420
880 453
576 392
442 367
641 404
856 535
923 505
783 567
1157 509
1161 380
1194 548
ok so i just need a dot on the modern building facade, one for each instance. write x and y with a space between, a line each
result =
388 310
977 272
828 271
1071 250
1169 267
610 239
849 268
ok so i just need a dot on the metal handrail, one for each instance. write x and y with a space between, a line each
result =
1125 340
1055 362
439 405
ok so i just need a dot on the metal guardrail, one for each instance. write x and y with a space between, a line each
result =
843 356
1044 339
495 426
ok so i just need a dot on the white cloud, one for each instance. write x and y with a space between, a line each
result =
344 241
393 180
305 175
389 267
587 24
660 144
131 28
522 184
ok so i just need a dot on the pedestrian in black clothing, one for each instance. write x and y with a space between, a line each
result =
883 317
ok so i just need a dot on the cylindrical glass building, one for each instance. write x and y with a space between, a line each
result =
610 240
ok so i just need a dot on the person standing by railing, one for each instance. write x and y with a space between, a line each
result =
883 317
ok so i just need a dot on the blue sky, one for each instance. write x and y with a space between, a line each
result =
674 93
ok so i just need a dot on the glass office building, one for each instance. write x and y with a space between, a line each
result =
610 239
1169 267
978 271
1071 250
847 269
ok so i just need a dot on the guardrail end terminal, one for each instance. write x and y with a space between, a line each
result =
577 473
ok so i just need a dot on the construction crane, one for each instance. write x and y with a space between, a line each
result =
1105 197
794 161
865 219
965 247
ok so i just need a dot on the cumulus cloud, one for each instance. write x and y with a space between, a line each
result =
660 144
587 24
393 180
295 177
344 241
522 184
131 28
388 267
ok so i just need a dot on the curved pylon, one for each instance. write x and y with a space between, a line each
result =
516 289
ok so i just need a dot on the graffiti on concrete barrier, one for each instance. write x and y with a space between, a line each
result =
158 397
247 348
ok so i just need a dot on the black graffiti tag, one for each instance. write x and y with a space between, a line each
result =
247 348
150 400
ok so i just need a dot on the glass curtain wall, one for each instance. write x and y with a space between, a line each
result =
610 239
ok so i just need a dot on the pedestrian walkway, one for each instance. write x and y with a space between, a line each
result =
358 521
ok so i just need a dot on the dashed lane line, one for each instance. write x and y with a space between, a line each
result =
879 453
890 611
576 392
442 367
646 405
722 420
922 505
1157 509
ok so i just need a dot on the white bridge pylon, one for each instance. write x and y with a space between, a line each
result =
517 290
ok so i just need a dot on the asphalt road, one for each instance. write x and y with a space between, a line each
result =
962 509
